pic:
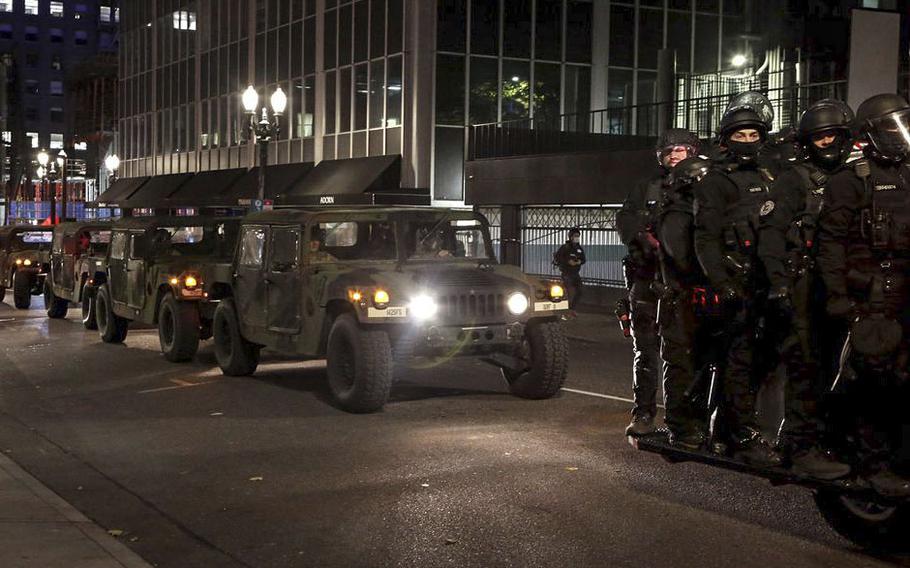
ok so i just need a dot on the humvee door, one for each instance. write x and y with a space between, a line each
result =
282 279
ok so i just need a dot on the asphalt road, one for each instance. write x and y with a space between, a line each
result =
200 470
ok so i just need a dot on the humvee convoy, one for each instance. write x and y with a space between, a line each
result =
23 262
77 261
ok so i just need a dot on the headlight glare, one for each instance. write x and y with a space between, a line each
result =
27 262
423 307
557 291
517 303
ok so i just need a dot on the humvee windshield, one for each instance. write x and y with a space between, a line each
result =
95 240
193 240
31 240
352 240
444 239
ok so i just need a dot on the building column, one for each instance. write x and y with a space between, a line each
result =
600 46
319 86
419 62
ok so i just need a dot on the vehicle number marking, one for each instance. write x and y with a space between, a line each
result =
551 306
390 312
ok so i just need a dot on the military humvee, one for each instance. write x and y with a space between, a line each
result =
77 259
23 262
160 271
375 289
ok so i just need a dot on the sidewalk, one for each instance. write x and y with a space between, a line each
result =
38 529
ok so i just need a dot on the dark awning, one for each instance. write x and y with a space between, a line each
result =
207 189
371 180
277 179
154 193
120 190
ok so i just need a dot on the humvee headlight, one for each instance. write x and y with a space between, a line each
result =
381 298
27 262
557 291
190 282
355 295
19 261
517 303
175 281
423 307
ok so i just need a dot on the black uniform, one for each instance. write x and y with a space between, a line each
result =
688 317
727 205
569 259
808 342
864 257
636 224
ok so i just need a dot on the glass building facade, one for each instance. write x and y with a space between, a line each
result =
378 77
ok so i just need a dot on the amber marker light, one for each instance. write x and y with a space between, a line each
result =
381 298
557 291
190 282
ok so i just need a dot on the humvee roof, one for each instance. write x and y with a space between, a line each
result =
303 215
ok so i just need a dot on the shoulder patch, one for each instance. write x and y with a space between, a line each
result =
766 208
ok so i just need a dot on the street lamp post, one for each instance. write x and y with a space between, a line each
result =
64 167
112 163
47 171
265 128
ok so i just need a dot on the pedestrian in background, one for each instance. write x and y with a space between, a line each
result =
569 259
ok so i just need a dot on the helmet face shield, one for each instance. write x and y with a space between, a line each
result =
890 134
672 154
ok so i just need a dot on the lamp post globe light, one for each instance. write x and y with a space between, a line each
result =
63 164
48 172
265 128
112 164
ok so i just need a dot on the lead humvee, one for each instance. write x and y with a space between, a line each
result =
160 271
77 258
23 262
374 290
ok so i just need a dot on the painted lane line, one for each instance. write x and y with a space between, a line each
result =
606 396
179 384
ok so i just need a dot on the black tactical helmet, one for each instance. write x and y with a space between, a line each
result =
574 231
689 171
747 110
884 121
672 137
833 116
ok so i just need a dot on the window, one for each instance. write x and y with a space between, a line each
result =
285 250
483 92
31 87
393 102
516 89
484 27
56 35
56 114
6 32
56 141
31 33
82 146
516 40
622 35
56 88
57 9
31 113
105 14
377 92
56 64
80 37
118 245
579 19
34 138
31 60
252 241
650 37
31 7
6 5
184 20
549 30
546 91
7 136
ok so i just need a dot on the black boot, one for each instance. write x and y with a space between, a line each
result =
818 464
642 424
687 439
753 449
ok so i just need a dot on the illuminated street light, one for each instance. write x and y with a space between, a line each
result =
264 127
739 60
43 158
112 163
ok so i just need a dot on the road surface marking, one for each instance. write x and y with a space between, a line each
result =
606 396
179 384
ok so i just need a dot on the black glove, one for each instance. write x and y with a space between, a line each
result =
840 307
731 293
780 300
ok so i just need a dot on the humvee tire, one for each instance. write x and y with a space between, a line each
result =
88 307
111 327
870 525
56 307
546 353
178 329
359 365
236 356
22 290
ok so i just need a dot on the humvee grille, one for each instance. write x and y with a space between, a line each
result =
472 305
459 278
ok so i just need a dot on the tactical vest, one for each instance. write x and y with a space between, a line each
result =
654 193
804 227
741 217
885 218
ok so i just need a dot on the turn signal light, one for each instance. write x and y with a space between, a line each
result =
190 282
381 298
557 291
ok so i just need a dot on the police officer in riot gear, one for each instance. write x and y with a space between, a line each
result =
864 258
727 204
787 246
687 311
569 259
636 224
